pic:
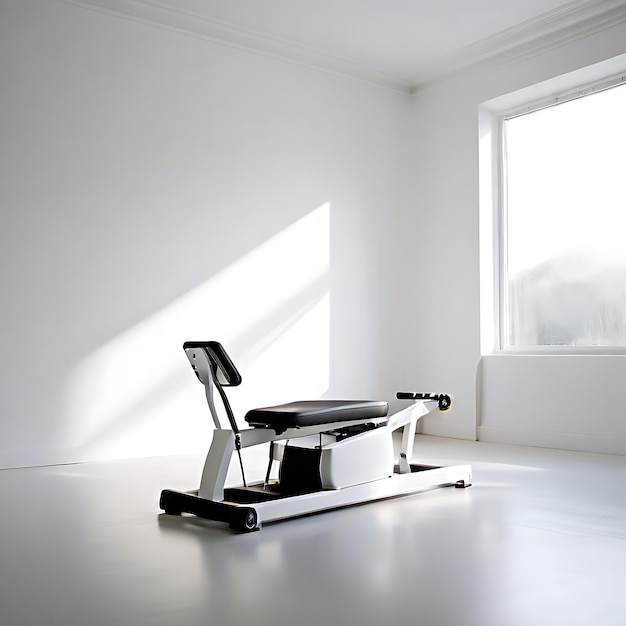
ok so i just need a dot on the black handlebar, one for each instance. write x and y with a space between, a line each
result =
444 400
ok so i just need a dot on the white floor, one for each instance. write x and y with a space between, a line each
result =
539 539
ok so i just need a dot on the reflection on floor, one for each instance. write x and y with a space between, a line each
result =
539 539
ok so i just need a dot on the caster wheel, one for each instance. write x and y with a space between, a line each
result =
445 402
244 520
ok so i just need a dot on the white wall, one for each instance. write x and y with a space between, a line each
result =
569 402
157 187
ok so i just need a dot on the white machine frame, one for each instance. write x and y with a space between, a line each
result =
353 468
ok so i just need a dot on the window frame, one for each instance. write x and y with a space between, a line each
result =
498 193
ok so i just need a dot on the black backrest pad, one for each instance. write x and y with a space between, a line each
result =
226 370
314 412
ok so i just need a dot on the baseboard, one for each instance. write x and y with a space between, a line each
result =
70 456
580 442
449 429
37 458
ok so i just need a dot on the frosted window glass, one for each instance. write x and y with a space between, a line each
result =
565 225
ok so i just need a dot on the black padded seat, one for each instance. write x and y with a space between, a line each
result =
314 412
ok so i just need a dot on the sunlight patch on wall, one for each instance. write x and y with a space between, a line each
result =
136 395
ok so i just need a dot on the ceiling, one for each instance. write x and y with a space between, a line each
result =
401 44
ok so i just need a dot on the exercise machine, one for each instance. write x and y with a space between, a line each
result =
328 453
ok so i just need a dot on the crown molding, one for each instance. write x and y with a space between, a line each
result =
565 24
161 15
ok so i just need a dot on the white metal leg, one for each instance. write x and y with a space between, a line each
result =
216 465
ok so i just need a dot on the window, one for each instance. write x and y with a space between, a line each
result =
562 221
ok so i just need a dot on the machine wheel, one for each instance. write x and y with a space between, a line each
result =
172 512
445 402
167 506
244 520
